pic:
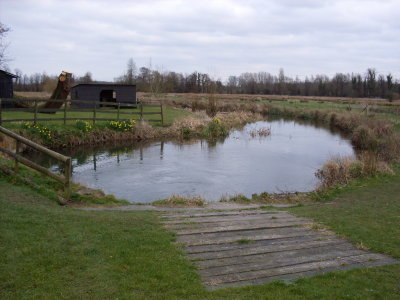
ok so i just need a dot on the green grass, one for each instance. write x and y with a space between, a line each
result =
49 252
52 189
367 212
170 114
387 112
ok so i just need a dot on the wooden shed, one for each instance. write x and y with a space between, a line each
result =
6 84
103 92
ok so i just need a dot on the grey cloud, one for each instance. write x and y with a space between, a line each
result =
304 37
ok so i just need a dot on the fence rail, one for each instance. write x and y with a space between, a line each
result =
65 180
96 107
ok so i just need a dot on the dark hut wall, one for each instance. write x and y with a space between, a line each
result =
95 92
6 85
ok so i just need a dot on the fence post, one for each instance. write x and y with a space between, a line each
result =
94 113
35 113
16 152
65 111
67 175
162 114
1 114
119 104
141 111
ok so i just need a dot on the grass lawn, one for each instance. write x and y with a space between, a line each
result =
49 251
170 114
367 212
385 112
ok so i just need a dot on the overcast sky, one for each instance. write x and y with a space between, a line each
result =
221 38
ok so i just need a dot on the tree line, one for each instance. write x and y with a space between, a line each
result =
370 84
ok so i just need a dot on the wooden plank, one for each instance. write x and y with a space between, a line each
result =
215 219
222 223
191 223
278 262
296 268
241 227
292 276
19 109
278 247
33 165
220 248
273 256
34 145
265 234
221 213
48 110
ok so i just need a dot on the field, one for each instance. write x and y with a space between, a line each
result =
63 252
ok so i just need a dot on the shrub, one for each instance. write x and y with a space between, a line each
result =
364 138
215 129
212 106
38 130
336 171
121 125
84 126
195 105
341 170
240 198
177 200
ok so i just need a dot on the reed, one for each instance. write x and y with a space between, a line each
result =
181 201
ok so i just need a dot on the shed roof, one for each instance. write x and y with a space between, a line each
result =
8 74
103 84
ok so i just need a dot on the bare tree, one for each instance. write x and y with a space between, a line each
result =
87 78
282 82
370 79
3 45
131 71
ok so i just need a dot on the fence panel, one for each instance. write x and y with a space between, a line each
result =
33 106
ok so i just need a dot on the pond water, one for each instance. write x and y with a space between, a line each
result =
284 161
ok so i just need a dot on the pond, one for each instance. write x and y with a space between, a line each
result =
284 161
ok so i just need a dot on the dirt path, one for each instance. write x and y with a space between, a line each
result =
254 246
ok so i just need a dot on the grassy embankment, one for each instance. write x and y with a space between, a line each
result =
54 251
50 251
178 123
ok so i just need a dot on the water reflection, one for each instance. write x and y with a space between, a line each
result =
284 161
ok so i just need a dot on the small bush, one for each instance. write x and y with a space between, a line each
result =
261 132
121 125
240 198
212 108
364 138
38 130
341 170
176 200
195 105
185 132
215 129
84 126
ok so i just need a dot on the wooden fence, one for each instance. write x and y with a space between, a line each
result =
65 180
94 108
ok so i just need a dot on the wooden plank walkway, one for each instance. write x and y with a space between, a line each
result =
235 248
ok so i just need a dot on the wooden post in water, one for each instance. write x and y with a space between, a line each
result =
16 152
35 112
141 111
162 114
67 175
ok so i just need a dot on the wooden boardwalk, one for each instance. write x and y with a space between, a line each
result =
235 248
